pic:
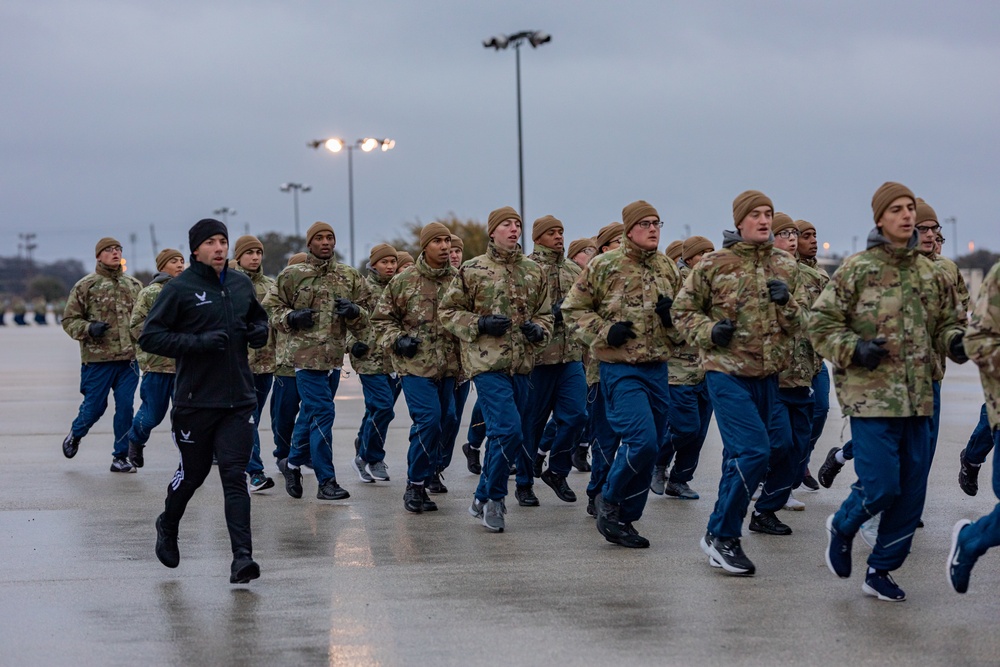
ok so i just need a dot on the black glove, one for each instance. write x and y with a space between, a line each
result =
211 341
663 310
779 291
494 325
957 348
557 311
359 350
97 329
406 346
257 335
345 308
722 332
620 333
300 319
869 353
533 332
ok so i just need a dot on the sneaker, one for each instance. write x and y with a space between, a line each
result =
830 468
728 554
659 481
558 484
435 485
838 550
472 459
680 490
166 544
756 494
412 499
135 454
427 504
360 466
293 478
810 482
243 569
121 465
614 530
579 459
591 508
378 470
476 508
526 496
71 444
637 540
259 481
960 561
513 470
869 530
794 504
493 515
539 462
330 490
968 475
768 523
879 584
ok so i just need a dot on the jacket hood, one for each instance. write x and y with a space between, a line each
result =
731 238
160 277
875 238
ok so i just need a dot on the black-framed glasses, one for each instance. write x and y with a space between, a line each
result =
788 233
923 229
646 224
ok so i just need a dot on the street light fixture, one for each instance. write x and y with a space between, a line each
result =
536 38
225 212
367 145
295 188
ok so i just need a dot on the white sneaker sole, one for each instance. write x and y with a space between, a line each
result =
715 559
362 475
868 590
375 478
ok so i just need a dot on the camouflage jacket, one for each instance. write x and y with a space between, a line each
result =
107 295
149 363
376 362
624 285
262 361
950 270
559 274
896 294
813 279
982 341
315 284
409 307
732 283
497 282
684 366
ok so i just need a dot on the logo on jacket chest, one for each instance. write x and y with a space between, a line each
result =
202 299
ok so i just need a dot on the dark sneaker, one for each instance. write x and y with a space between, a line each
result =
330 490
135 454
768 523
830 468
838 550
121 465
435 485
591 508
636 541
476 508
259 481
413 499
659 481
428 504
472 459
810 482
526 496
579 459
559 485
614 530
359 466
680 490
968 475
493 515
379 471
293 478
536 470
960 561
728 553
879 584
243 569
71 444
166 544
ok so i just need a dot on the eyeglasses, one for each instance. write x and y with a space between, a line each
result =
646 224
113 248
788 233
923 229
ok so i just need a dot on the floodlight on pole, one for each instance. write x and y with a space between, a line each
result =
295 189
225 212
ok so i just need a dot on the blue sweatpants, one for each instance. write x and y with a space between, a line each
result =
477 425
637 399
503 400
981 441
848 449
605 441
317 389
789 431
688 418
892 459
381 392
97 380
559 390
432 409
985 532
821 408
451 433
155 392
262 386
743 408
284 408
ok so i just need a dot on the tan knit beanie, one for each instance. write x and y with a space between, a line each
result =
579 245
318 227
245 243
635 212
544 224
695 245
380 252
403 259
297 258
781 222
886 194
748 201
431 231
457 242
674 250
803 225
105 243
498 216
925 212
609 234
165 256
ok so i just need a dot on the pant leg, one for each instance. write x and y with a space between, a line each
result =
569 414
477 425
502 397
193 433
687 426
155 392
935 423
424 402
379 402
449 438
317 390
548 436
262 385
233 444
821 408
742 410
95 384
126 379
541 400
789 431
848 450
604 444
981 441
284 408
985 533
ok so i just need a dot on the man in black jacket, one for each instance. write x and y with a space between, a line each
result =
205 318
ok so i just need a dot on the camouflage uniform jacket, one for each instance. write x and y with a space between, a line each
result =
409 307
732 283
982 341
624 285
896 294
376 362
813 263
559 274
497 282
803 362
316 283
684 366
107 295
950 270
149 363
262 361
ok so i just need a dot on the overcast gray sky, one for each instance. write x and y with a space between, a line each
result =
121 114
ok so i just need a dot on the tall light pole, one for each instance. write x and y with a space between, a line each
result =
536 38
225 212
367 145
295 188
953 221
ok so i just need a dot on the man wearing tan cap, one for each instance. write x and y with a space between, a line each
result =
609 237
581 251
97 315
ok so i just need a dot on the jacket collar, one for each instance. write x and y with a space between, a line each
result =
427 272
635 253
207 272
108 272
501 256
734 241
548 255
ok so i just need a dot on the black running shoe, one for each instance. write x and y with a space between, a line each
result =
968 475
435 484
70 446
728 553
591 508
293 478
614 530
413 499
135 454
166 544
472 459
536 469
810 482
526 496
768 523
559 485
330 490
579 459
427 504
830 468
243 569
